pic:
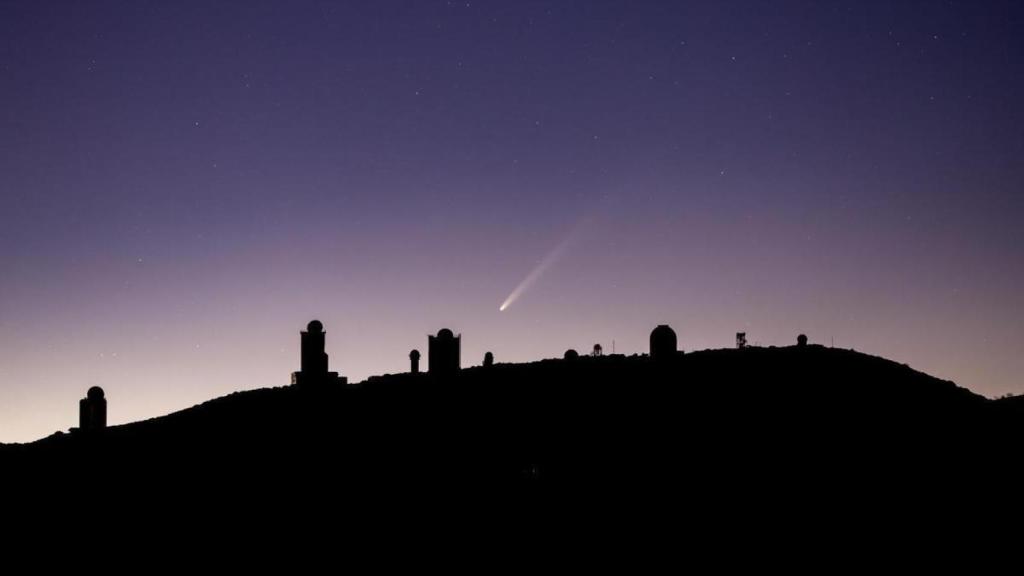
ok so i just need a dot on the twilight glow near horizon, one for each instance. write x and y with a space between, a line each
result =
184 185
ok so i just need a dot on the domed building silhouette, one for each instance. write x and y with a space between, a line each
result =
571 354
801 340
489 359
92 410
663 343
313 369
444 353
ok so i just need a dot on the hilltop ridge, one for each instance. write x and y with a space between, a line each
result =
722 374
799 427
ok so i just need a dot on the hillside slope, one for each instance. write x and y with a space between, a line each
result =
798 423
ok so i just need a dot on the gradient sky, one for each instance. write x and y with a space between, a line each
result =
183 185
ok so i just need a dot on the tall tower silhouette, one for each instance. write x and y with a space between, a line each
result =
414 361
444 353
313 359
92 410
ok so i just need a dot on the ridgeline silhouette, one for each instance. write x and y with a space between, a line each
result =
794 428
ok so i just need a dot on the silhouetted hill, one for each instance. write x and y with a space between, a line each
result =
718 432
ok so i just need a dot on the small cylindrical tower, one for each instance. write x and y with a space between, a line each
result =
414 361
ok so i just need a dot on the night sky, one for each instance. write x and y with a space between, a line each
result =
184 185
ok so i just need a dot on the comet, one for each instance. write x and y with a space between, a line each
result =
543 266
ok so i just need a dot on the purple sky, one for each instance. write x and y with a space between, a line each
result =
183 185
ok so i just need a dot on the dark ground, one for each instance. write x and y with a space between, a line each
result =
724 438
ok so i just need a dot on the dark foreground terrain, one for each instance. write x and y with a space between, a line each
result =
809 434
